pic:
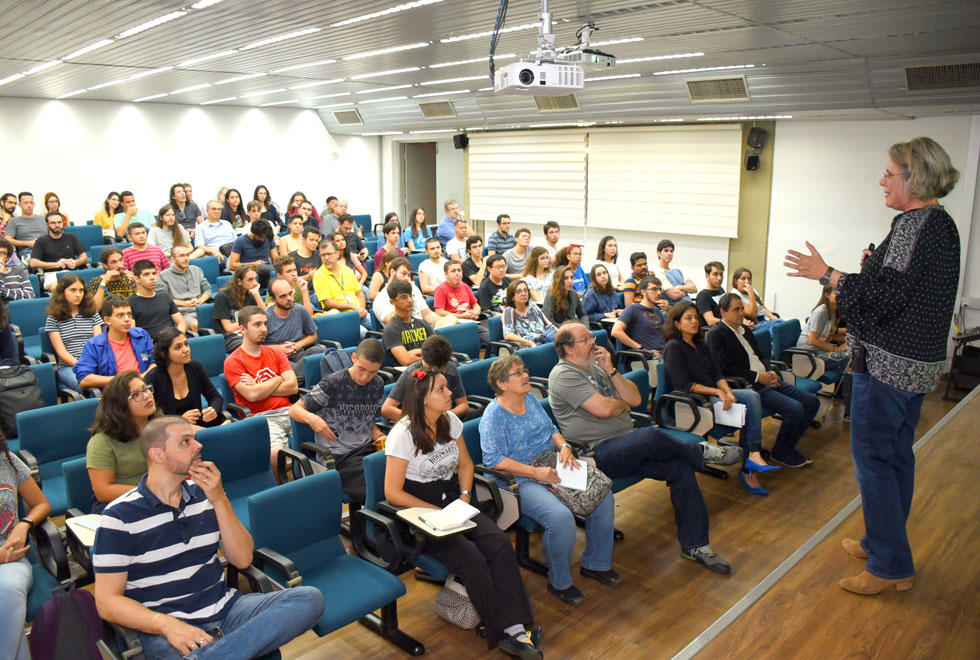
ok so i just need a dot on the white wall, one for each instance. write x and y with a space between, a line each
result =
825 190
450 183
83 149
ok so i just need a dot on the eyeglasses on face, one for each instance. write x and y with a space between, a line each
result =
138 395
520 372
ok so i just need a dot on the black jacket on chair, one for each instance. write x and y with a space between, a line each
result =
730 355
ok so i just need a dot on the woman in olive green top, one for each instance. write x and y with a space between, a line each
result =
113 458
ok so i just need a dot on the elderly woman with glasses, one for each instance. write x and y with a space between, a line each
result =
523 321
113 457
514 430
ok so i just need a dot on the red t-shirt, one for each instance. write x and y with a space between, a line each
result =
454 301
125 357
268 365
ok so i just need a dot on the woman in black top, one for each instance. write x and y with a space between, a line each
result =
179 382
691 369
562 303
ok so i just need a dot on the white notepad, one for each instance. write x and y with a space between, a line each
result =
450 517
572 477
734 416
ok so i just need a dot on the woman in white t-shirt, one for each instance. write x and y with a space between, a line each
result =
607 256
537 273
432 271
428 466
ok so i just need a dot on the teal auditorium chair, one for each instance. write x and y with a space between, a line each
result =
804 363
29 315
313 554
498 345
95 252
89 235
49 567
416 258
47 381
205 318
465 340
364 222
78 488
35 284
539 361
341 330
209 350
211 268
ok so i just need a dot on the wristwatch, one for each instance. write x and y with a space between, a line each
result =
29 522
563 447
465 492
825 279
613 374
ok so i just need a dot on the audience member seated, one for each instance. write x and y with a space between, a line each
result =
337 288
514 430
501 239
167 233
416 231
404 333
185 283
552 234
354 242
392 235
128 214
112 457
269 210
307 258
562 302
591 401
141 250
310 217
56 251
342 409
286 269
15 568
191 606
517 256
153 309
233 212
638 270
290 327
475 266
14 283
294 239
757 315
432 271
428 466
823 334
328 209
601 300
677 288
214 236
122 347
437 354
257 248
456 246
52 204
71 321
8 204
179 383
523 321
331 222
608 255
186 213
571 256
707 299
538 273
692 369
261 378
384 309
104 216
736 353
379 280
222 191
445 229
242 290
348 257
116 280
492 293
641 324
455 299
24 229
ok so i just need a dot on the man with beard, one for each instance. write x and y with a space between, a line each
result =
290 327
8 203
56 251
257 248
26 227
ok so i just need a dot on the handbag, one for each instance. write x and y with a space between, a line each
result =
580 502
454 605
547 337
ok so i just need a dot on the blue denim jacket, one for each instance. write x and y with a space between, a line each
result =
97 356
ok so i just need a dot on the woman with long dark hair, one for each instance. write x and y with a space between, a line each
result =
416 232
348 258
234 210
243 289
823 334
571 256
757 315
297 199
270 210
167 232
179 382
105 217
113 457
538 273
562 302
428 466
607 255
71 321
601 300
381 276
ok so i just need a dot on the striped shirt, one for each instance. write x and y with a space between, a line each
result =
14 284
169 555
75 331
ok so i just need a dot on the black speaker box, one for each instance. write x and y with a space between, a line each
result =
752 161
461 141
757 137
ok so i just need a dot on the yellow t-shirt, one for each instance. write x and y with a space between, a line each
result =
104 220
340 287
287 244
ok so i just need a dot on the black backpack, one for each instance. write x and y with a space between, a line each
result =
68 627
334 360
19 390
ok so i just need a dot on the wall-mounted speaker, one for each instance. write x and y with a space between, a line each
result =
757 137
752 161
461 141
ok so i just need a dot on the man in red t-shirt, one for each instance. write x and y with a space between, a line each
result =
455 298
261 378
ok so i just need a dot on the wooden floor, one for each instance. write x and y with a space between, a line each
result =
666 602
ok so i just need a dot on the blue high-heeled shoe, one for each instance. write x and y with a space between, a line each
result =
752 466
752 489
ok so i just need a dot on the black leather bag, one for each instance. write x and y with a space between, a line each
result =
19 390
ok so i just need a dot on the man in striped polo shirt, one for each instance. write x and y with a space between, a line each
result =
157 569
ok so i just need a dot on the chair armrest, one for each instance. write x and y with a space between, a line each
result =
258 582
385 426
386 508
132 647
205 331
241 412
737 382
28 359
788 355
374 334
73 512
667 401
503 475
540 389
462 358
72 394
629 354
579 448
386 377
321 455
494 488
31 463
538 380
476 409
281 563
301 464
49 358
330 342
92 392
302 391
641 419
51 551
388 550
476 398
494 347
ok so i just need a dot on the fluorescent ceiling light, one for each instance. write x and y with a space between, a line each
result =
485 89
42 67
385 12
304 66
458 91
705 68
383 89
192 88
263 92
472 61
224 100
16 76
617 77
377 133
329 96
487 33
108 84
147 98
387 98
744 118
333 105
616 41
151 72
385 51
240 78
391 72
204 3
207 58
580 124
668 121
64 96
657 58
87 49
436 130
282 37
446 81
317 83
166 18
278 103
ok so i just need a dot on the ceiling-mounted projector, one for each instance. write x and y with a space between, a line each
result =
539 78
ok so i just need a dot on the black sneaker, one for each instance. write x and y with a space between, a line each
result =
520 647
609 578
794 459
716 455
707 558
571 596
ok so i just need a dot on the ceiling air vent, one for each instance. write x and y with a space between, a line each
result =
556 103
348 117
718 90
438 110
943 77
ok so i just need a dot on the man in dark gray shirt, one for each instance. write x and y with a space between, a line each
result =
290 327
24 229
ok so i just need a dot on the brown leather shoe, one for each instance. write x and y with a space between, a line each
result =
854 548
867 584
